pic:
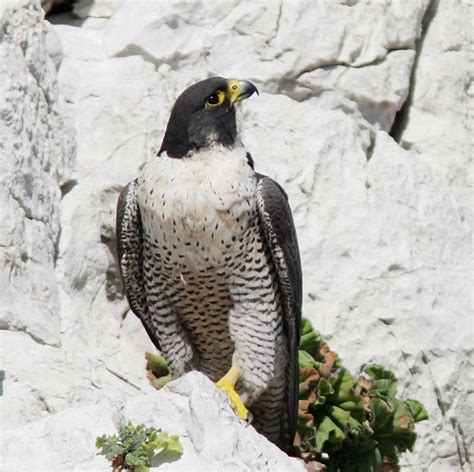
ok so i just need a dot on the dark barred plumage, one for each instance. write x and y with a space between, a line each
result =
210 262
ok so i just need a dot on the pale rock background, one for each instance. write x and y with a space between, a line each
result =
384 220
213 438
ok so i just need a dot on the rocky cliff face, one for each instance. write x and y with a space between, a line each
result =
213 438
37 153
363 118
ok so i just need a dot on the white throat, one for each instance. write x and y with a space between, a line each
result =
207 197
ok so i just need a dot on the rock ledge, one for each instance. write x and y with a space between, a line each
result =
192 407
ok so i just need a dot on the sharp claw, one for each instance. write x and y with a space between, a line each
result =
250 418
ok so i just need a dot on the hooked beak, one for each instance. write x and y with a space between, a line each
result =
239 90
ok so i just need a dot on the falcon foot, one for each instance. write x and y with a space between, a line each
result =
227 384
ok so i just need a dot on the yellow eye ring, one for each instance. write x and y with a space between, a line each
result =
216 99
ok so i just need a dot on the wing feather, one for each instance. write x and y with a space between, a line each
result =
280 235
130 255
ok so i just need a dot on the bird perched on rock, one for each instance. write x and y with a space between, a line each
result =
210 262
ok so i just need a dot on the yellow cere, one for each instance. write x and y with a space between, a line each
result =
233 90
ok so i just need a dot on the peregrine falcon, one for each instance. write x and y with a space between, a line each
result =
210 262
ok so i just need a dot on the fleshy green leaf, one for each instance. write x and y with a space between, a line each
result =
350 424
162 381
343 385
305 360
311 340
378 372
157 364
339 416
382 416
418 411
385 382
169 442
369 462
327 430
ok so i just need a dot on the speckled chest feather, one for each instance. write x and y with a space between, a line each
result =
198 206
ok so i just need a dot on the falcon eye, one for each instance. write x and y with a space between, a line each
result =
216 99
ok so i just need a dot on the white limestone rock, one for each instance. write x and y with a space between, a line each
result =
438 127
96 8
114 105
36 155
297 48
99 347
212 436
379 89
439 118
60 360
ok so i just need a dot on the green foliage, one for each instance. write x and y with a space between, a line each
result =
350 424
135 446
157 370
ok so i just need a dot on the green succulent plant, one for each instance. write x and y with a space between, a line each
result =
157 370
351 424
135 447
347 423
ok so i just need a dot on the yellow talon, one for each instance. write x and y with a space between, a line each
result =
227 384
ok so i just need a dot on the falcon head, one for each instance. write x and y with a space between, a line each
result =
204 115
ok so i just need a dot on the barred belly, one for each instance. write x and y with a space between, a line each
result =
214 301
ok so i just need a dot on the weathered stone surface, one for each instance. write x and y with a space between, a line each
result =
339 46
111 146
437 127
385 229
438 120
36 155
213 438
59 361
96 8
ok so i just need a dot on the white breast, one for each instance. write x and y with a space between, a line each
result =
199 205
